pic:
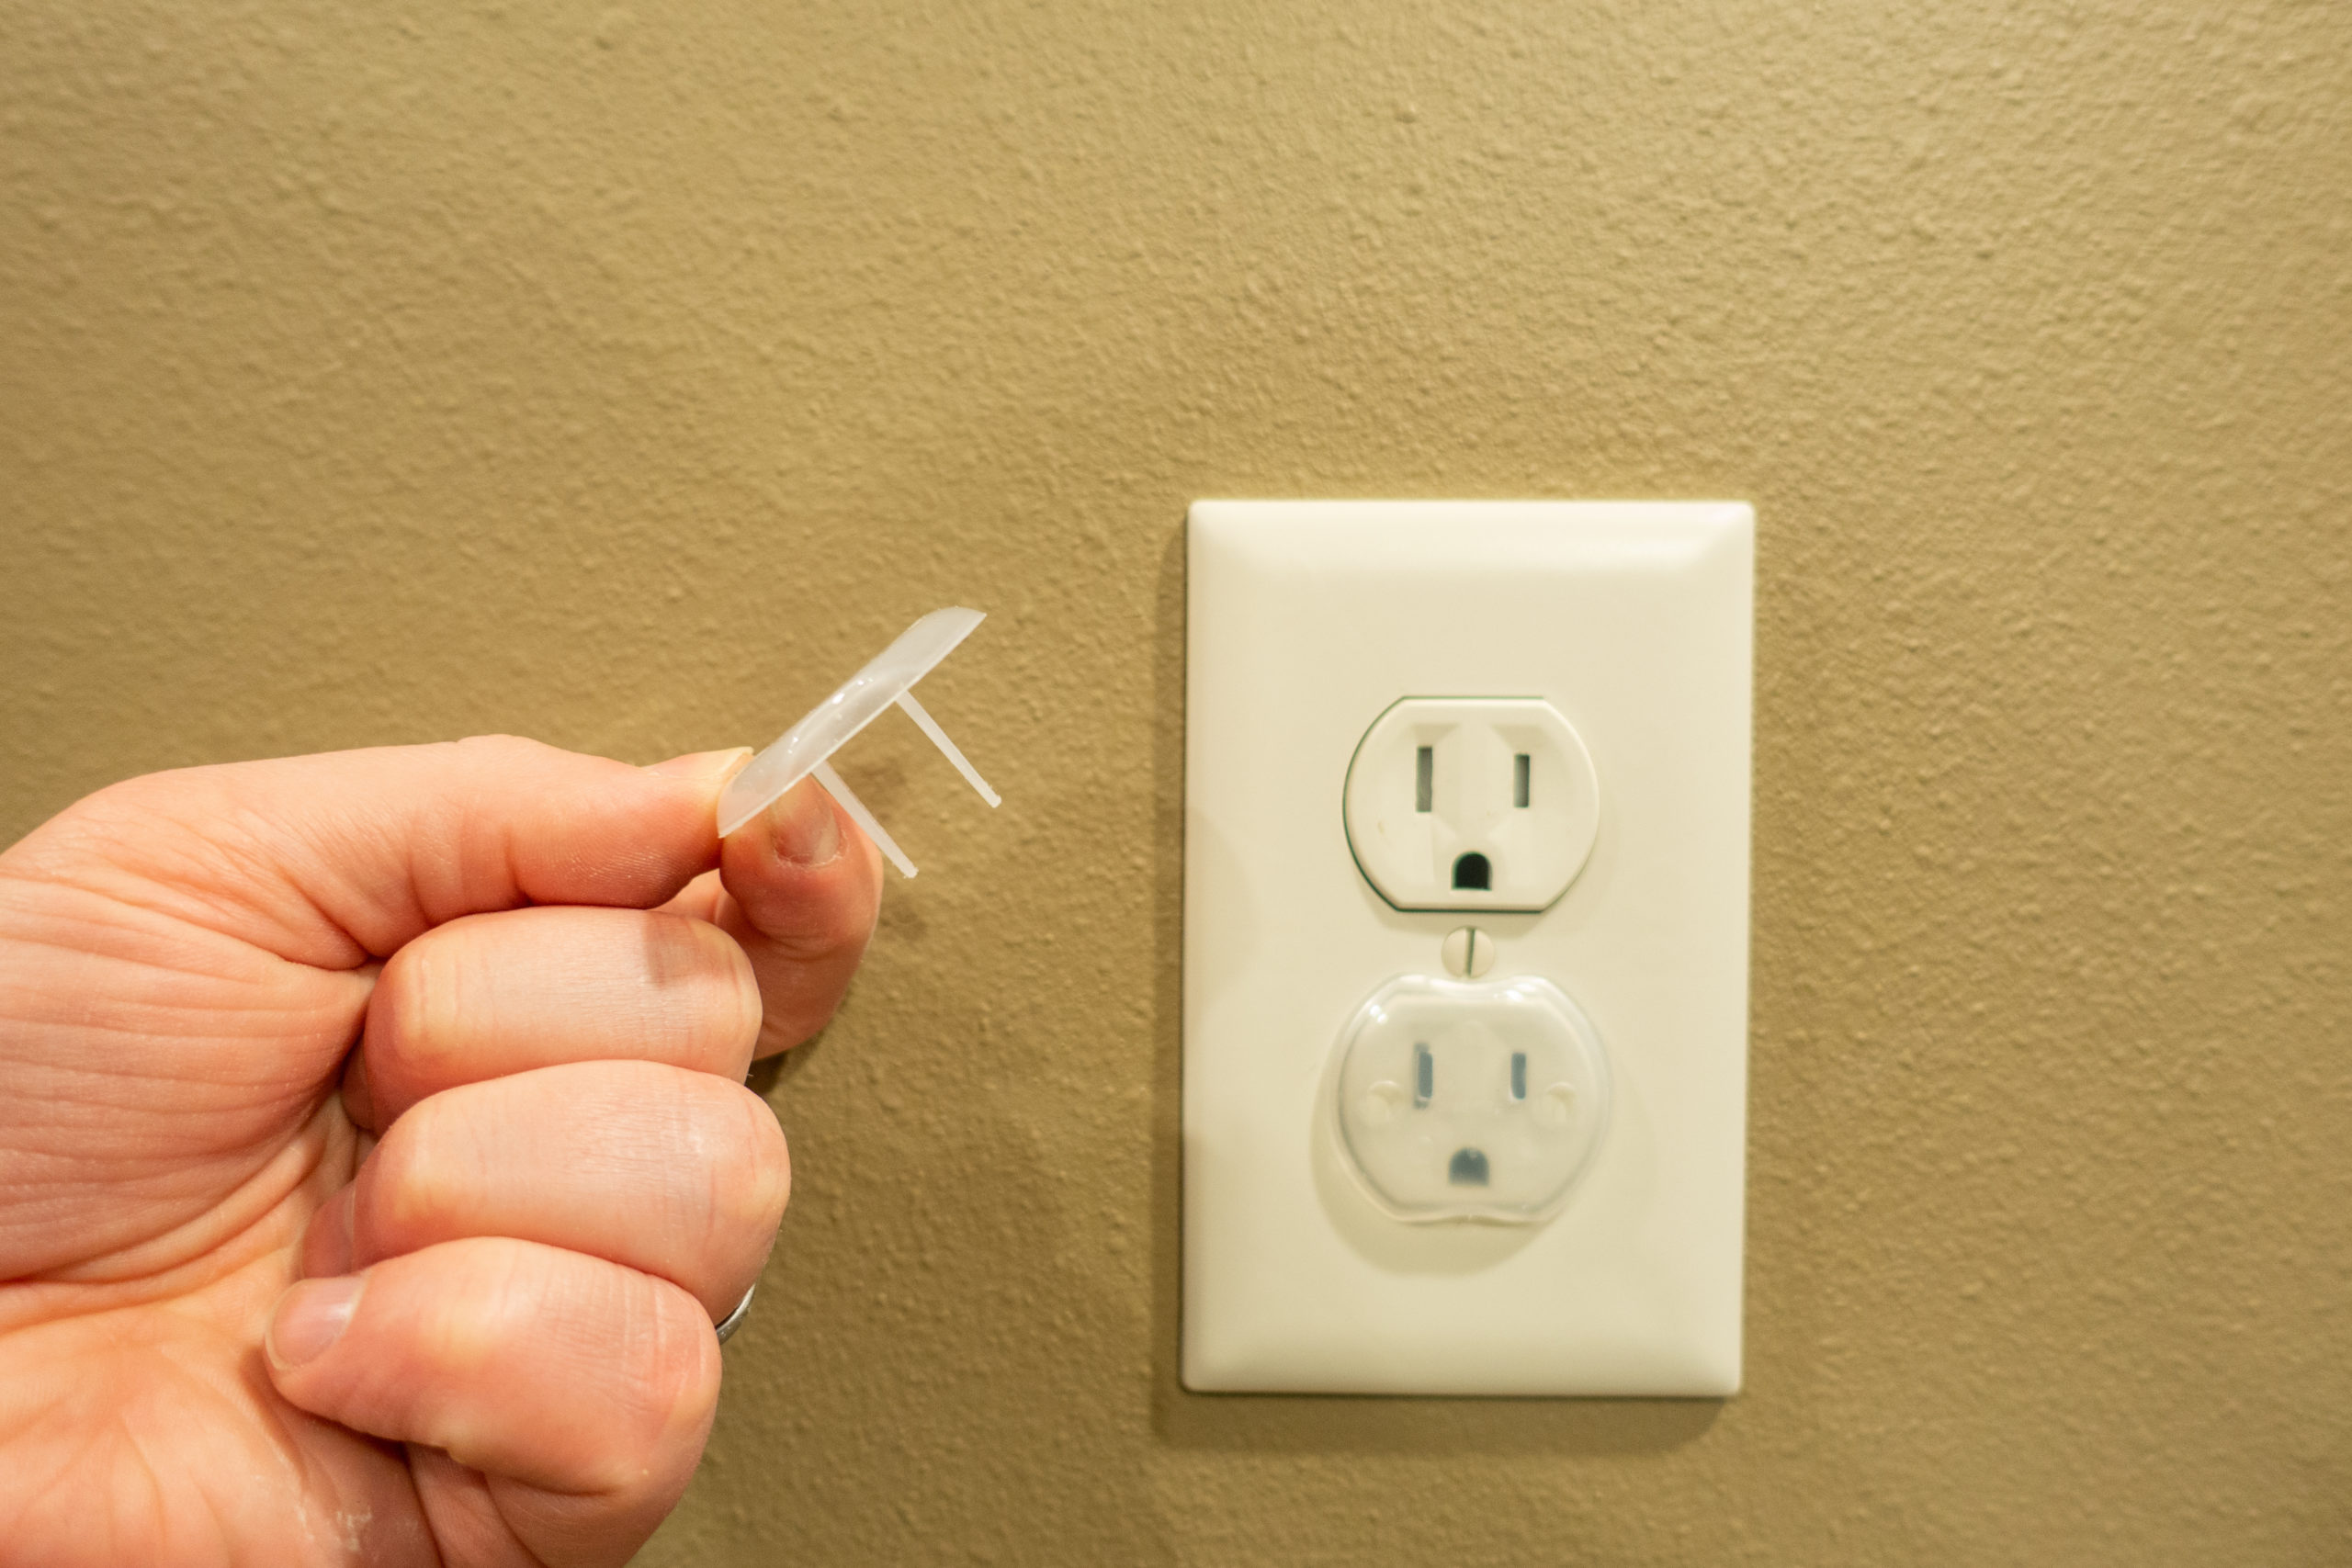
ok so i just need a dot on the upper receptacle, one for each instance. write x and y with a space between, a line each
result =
1471 803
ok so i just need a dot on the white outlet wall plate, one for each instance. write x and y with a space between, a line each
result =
1375 1147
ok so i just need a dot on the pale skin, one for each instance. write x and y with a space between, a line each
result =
375 1157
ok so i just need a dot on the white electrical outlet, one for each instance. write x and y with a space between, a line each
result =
1465 939
1479 802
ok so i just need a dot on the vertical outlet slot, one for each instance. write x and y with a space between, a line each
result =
1520 766
1424 1077
1424 778
1519 1075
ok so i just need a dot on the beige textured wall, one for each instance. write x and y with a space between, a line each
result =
383 371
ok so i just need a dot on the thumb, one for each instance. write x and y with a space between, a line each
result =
333 858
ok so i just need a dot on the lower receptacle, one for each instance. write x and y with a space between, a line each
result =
1465 946
1457 1100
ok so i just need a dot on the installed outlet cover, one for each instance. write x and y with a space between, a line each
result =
1465 946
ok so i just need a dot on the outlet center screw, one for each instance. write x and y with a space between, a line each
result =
1468 952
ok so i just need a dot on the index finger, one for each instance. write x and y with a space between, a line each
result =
798 887
335 860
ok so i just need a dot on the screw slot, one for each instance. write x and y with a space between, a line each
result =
1467 953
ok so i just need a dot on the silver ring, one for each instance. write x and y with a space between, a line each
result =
734 1320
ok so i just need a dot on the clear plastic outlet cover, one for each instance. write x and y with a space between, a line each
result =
887 678
1467 1099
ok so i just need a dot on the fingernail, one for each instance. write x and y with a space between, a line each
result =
704 766
804 827
310 1317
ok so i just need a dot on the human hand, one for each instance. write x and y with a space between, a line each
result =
538 979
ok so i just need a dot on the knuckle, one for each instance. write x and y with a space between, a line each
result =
467 1305
408 1191
747 1009
501 751
751 1177
805 915
420 1003
725 991
670 1384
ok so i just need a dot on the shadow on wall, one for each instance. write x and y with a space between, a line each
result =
1307 1423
